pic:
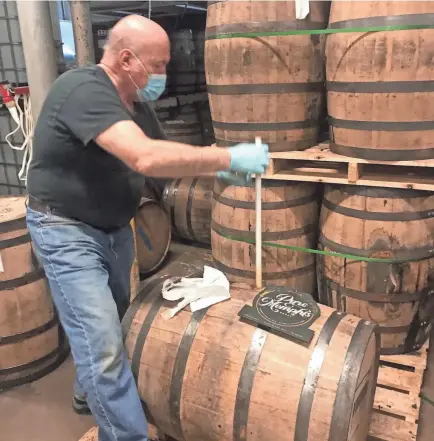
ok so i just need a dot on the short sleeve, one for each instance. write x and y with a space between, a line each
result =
91 109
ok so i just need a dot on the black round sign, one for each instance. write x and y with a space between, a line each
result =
286 307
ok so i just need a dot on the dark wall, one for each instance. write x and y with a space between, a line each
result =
195 22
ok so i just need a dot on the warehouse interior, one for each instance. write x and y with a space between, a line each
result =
189 222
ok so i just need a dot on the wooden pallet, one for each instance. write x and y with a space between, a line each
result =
153 434
90 435
319 164
397 402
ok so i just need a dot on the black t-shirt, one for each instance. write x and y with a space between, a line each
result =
69 171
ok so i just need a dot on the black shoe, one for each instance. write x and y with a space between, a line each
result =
80 406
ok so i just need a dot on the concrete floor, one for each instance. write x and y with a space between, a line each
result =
41 411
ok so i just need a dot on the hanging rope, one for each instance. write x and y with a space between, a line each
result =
24 120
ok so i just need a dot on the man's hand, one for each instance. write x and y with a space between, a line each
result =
249 158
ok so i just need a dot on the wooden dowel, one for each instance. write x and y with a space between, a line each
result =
135 272
258 212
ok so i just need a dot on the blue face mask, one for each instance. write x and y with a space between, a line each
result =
155 87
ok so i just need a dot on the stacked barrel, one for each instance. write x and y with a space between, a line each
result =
379 89
380 85
289 217
181 123
378 223
199 42
283 104
182 66
185 117
376 269
272 87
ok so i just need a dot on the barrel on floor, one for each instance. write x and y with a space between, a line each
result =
32 342
188 202
153 235
209 376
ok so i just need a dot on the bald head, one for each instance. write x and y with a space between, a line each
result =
136 48
136 33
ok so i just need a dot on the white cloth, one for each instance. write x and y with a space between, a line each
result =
199 293
301 9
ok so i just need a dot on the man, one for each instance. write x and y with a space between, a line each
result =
84 187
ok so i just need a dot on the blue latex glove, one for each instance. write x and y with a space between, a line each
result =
249 158
243 180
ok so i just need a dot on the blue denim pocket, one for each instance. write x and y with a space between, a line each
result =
34 217
50 220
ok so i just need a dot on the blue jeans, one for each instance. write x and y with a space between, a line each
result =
89 276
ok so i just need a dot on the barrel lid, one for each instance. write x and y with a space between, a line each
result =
12 208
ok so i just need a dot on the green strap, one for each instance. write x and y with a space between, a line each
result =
312 251
427 399
318 31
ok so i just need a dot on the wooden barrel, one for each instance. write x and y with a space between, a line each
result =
381 84
182 66
199 43
32 342
384 223
209 376
153 235
272 87
92 434
185 112
188 202
181 123
289 217
181 131
208 137
135 271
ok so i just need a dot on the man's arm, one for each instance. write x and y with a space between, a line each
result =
94 112
159 158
